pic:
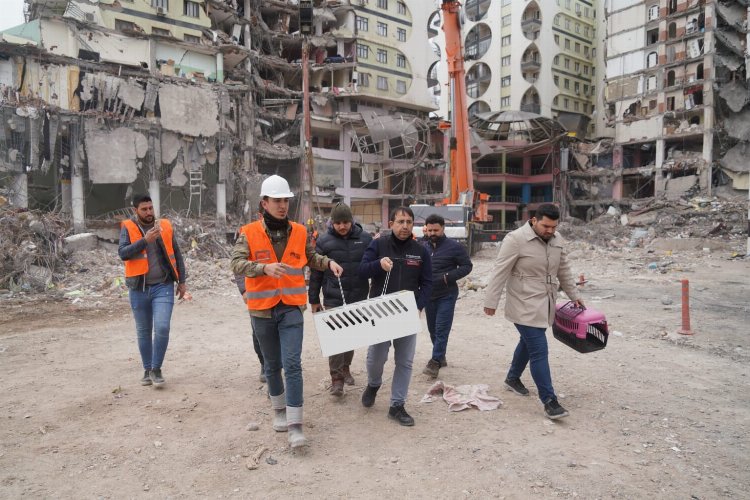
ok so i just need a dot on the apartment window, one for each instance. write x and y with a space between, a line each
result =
505 61
585 89
593 89
556 20
364 79
505 41
362 23
567 63
556 60
363 51
586 50
400 60
401 8
382 29
578 9
585 69
504 102
577 87
567 84
382 56
653 12
160 31
586 31
576 66
382 82
593 52
556 79
121 25
401 86
191 9
557 39
593 71
164 4
554 101
651 59
401 34
505 82
578 47
567 24
567 43
566 103
383 4
586 12
506 20
575 105
578 28
191 38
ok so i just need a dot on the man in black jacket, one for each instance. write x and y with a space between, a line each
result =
450 263
345 242
410 268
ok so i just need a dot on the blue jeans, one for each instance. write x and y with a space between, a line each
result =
152 310
532 348
280 339
439 322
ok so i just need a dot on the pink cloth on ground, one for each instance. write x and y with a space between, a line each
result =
462 397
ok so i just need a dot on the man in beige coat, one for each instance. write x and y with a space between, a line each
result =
533 264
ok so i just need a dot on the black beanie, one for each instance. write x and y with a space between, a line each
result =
341 213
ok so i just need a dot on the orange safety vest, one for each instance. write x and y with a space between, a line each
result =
138 265
264 292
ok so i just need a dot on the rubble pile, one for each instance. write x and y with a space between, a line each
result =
723 221
30 249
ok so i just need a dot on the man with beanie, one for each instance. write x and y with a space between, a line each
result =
345 242
272 253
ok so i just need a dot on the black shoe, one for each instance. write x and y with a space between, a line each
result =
156 377
146 380
432 369
368 396
399 413
553 410
515 385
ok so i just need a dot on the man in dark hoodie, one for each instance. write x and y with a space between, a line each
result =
450 263
345 242
410 268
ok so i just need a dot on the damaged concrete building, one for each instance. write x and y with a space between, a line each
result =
194 101
676 91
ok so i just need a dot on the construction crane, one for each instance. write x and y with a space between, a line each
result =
465 209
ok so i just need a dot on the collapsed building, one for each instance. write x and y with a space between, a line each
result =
194 101
676 93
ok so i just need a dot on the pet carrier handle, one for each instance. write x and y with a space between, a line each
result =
342 290
385 286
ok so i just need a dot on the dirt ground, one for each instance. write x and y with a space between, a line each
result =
654 413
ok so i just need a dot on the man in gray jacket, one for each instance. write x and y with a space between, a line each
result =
532 263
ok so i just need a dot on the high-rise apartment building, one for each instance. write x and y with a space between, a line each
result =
539 57
676 91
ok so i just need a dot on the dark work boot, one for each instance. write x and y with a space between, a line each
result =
398 413
432 369
368 396
146 380
348 379
156 377
337 387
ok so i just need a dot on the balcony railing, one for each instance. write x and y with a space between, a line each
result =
498 170
531 108
530 65
530 24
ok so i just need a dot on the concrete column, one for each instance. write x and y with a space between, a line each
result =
347 176
77 197
154 191
220 67
20 190
221 203
660 151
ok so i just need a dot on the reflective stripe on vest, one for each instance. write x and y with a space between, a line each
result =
138 265
264 292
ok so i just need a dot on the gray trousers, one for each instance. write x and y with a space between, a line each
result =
377 355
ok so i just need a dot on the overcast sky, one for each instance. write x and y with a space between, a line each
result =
11 13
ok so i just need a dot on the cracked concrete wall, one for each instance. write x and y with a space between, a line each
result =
192 111
113 155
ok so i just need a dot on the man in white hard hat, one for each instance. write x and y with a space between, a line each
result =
272 253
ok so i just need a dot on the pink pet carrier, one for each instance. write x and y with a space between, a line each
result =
584 330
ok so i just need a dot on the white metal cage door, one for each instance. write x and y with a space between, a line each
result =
368 322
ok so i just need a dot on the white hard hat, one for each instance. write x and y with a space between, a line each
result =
276 187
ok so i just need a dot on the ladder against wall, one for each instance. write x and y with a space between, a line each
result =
196 188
